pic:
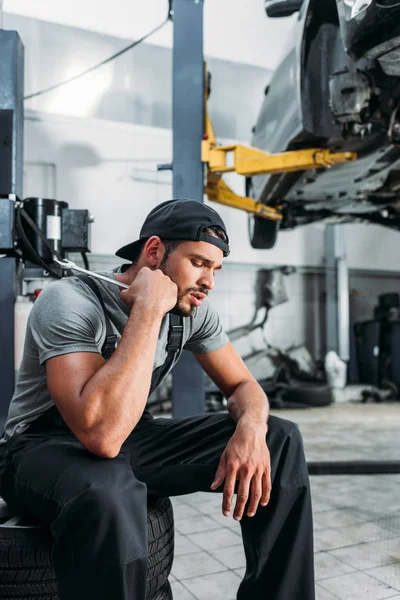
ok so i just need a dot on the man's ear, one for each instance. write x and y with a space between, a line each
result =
153 251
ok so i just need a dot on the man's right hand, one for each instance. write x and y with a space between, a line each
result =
152 289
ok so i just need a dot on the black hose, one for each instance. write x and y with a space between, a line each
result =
354 467
35 255
85 261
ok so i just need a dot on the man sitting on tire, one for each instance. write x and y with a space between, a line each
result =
82 453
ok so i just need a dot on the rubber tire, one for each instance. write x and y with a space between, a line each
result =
165 593
263 233
26 570
308 394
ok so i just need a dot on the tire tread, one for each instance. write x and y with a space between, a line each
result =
26 570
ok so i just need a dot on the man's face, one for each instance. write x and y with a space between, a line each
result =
192 266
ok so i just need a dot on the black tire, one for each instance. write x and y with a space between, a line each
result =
263 233
307 394
26 570
165 593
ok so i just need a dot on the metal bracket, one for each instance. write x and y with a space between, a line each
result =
247 161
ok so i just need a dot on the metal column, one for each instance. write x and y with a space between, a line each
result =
11 172
337 292
188 173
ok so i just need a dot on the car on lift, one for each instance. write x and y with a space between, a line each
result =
337 87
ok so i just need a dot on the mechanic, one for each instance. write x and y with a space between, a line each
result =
82 452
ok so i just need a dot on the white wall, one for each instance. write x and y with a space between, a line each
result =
233 29
372 247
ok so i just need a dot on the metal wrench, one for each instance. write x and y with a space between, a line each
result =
68 264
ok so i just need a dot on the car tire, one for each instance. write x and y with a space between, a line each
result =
26 570
263 233
307 394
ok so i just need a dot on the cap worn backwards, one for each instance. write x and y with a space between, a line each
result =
179 220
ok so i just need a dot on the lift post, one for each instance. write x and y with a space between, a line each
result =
11 173
188 397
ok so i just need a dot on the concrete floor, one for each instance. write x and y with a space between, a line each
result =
356 518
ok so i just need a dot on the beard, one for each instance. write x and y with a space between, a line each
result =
181 308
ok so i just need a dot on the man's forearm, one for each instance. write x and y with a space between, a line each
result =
249 402
114 398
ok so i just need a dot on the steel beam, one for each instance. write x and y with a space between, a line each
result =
11 172
337 292
188 170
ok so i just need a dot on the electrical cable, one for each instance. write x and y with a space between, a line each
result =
85 261
354 467
21 231
104 62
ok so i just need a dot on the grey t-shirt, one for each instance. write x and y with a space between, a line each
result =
67 317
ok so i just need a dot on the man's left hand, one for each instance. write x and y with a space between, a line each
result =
245 460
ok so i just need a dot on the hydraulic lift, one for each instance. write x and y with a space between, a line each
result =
246 161
195 148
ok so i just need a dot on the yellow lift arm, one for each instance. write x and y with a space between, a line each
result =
251 161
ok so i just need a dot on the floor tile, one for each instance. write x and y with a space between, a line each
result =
365 532
220 586
240 572
339 518
392 546
194 565
317 524
223 521
321 504
389 574
219 538
179 592
391 523
182 510
195 523
204 502
363 556
327 565
183 545
233 557
328 539
357 586
322 594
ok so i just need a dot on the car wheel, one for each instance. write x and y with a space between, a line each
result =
263 233
26 569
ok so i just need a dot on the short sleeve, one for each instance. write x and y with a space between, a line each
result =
65 319
207 334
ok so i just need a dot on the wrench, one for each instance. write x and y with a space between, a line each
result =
68 264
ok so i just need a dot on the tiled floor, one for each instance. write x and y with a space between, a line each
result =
357 519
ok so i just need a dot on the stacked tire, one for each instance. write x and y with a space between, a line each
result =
26 570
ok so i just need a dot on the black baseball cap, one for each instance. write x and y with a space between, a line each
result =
178 220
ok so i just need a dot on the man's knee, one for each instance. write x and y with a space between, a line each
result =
288 463
285 428
99 500
112 517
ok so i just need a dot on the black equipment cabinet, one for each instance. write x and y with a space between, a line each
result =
378 344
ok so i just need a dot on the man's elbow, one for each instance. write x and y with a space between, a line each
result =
101 447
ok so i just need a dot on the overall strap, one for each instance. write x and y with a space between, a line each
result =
175 336
111 339
175 333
